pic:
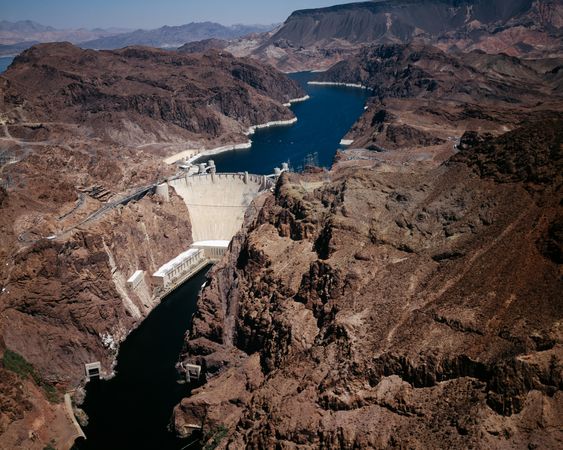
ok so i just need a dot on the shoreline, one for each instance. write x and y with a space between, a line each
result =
297 100
194 154
333 83
276 123
217 150
289 72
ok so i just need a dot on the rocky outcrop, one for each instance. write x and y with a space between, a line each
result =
425 99
203 46
525 155
417 69
69 298
141 95
391 308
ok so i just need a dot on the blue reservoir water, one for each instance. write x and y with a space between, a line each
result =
322 122
5 61
133 410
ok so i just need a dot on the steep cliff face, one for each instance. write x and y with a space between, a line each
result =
68 298
391 308
317 38
65 302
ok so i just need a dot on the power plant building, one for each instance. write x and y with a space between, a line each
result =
173 271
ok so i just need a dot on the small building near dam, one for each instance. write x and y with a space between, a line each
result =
136 279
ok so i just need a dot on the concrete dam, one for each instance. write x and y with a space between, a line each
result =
217 202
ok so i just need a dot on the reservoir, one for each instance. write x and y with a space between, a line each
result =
132 410
5 61
322 121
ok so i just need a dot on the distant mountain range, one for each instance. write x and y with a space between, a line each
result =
166 36
23 26
18 36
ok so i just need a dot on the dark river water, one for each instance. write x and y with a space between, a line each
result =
133 410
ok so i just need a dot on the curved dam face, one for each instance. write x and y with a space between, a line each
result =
217 202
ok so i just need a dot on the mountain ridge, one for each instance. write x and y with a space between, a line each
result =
175 36
317 38
23 31
21 35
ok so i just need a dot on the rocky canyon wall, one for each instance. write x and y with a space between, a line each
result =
392 307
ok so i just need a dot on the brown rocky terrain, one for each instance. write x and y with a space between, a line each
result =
83 130
425 99
410 297
318 38
142 95
393 306
203 45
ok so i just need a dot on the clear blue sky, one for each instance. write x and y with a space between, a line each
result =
152 13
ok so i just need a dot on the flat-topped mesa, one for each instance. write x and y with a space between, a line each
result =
317 38
399 21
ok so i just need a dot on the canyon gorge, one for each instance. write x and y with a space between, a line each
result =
407 296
